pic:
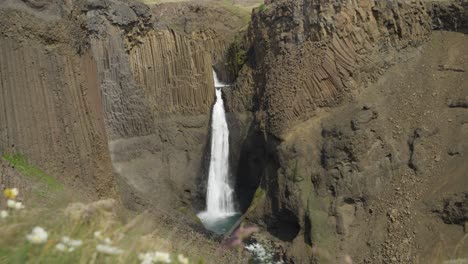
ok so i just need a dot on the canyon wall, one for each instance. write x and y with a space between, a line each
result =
50 102
105 93
325 128
157 99
320 50
157 95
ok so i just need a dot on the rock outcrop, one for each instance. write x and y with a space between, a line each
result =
321 49
454 209
341 129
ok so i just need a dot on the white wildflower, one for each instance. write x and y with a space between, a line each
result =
68 244
146 258
4 214
182 259
163 257
106 240
19 206
11 203
98 235
14 204
106 249
14 192
71 242
159 257
37 236
60 247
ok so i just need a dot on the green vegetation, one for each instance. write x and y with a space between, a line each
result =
237 54
20 163
262 8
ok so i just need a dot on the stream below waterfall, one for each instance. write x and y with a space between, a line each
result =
220 214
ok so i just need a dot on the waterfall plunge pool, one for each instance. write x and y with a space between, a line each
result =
220 214
219 224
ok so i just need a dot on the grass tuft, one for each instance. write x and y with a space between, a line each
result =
20 163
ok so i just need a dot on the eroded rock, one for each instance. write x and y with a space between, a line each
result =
453 209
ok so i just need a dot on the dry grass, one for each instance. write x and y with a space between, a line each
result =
132 233
78 222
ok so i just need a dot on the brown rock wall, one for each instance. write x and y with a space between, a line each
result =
182 84
309 54
50 113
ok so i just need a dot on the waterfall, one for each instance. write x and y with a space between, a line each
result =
220 194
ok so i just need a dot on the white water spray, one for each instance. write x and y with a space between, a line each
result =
219 199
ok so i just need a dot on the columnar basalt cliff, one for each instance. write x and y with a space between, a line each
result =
321 49
320 101
157 95
186 71
120 93
207 24
51 103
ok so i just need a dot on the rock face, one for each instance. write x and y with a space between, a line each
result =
454 209
345 140
187 72
51 103
200 21
449 15
157 90
320 50
97 88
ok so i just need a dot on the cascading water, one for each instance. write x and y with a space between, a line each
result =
220 212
